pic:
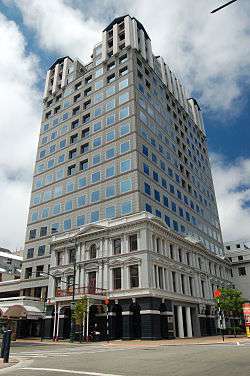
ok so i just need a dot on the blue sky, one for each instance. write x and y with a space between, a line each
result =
210 53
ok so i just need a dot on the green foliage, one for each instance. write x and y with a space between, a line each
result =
80 310
231 302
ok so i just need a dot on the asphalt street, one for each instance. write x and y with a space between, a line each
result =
107 360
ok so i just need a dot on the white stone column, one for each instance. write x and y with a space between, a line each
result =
46 87
115 39
104 45
127 26
135 35
189 322
142 43
54 87
125 277
64 72
149 53
180 322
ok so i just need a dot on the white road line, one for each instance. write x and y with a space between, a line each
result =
68 371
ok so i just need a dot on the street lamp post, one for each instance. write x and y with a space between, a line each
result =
72 322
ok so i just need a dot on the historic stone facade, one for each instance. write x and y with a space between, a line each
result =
160 285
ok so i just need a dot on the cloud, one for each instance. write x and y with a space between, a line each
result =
232 187
19 126
61 28
209 52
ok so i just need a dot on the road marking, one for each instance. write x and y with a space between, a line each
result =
68 371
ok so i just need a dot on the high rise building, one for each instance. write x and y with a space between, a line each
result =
119 136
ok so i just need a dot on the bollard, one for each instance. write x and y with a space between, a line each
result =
6 352
3 343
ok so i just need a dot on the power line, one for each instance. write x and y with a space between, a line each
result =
223 6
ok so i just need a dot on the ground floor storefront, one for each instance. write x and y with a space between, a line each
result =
149 318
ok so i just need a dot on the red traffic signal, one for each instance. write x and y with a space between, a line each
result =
106 301
217 293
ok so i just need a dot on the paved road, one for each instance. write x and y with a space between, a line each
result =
121 360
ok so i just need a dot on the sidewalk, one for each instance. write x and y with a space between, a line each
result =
215 340
120 343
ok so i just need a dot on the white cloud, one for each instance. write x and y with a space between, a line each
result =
19 127
61 28
210 52
232 187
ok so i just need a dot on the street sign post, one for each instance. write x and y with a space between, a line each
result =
221 317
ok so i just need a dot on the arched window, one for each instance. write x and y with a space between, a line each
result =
92 251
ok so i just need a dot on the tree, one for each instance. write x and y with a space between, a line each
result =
231 304
80 311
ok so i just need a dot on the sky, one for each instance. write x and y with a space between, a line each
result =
208 52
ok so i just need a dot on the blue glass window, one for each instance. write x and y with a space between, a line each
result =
81 182
67 224
81 201
110 120
42 153
96 176
181 212
62 144
173 206
147 188
175 226
158 213
94 217
124 112
155 176
124 147
165 201
80 220
145 150
157 195
148 208
97 142
34 216
96 159
97 126
110 136
167 220
123 84
172 189
110 212
69 186
95 196
110 171
110 153
124 129
68 205
98 111
126 207
154 158
110 191
125 165
110 90
164 183
61 158
146 168
110 105
125 185
45 213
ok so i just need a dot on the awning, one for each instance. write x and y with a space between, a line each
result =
18 311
